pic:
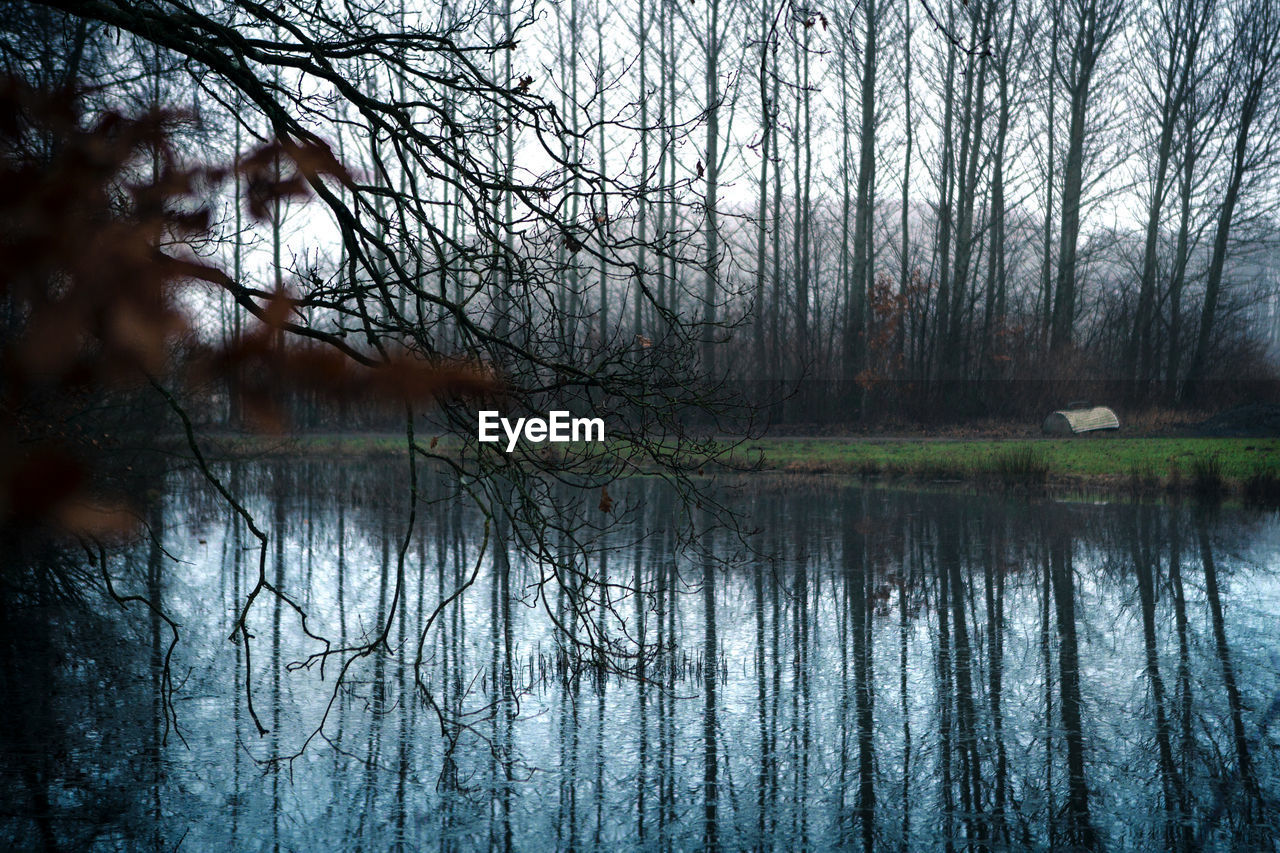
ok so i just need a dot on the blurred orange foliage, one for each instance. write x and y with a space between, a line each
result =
95 224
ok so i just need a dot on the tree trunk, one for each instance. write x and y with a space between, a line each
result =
863 260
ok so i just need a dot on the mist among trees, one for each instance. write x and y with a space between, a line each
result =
694 220
893 205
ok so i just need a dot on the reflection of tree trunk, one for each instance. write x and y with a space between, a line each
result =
599 682
27 713
710 755
1244 761
1140 543
377 689
500 676
409 690
495 687
775 656
441 639
1046 663
762 716
800 694
506 701
574 759
451 670
1079 825
309 520
278 486
342 614
667 722
570 621
663 664
944 705
949 549
858 579
380 656
155 594
993 577
407 703
237 567
910 548
642 685
563 736
1184 646
843 622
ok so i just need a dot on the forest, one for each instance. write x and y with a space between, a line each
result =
830 211
269 266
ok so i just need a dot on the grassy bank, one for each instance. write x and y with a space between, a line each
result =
1247 466
1179 464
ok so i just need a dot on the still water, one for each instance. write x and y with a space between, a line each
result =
881 670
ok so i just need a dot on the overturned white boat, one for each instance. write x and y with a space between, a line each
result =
1076 421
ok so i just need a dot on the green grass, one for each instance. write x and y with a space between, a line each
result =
330 444
1201 466
1099 460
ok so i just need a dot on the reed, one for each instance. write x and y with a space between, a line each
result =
1021 466
1207 479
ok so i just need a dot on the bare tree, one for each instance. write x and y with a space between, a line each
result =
863 264
1172 50
1089 26
442 106
1251 73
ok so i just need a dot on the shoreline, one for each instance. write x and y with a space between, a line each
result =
1135 465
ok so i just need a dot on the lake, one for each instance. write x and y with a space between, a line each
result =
856 668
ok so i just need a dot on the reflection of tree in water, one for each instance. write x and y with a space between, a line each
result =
83 696
1079 824
910 671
